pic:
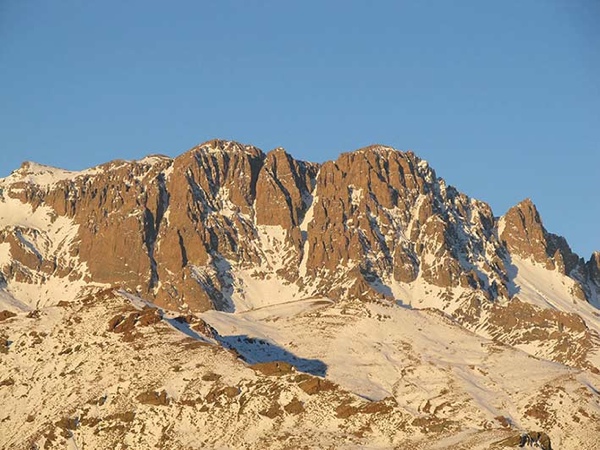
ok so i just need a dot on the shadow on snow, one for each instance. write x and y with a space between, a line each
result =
255 350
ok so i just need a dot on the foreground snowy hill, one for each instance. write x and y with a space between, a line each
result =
104 372
358 302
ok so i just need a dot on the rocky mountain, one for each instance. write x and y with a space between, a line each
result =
213 288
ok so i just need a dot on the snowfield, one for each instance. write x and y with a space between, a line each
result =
368 375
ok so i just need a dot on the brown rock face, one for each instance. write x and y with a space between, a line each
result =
386 212
283 189
283 196
363 201
4 315
110 205
115 212
566 260
207 218
525 235
406 264
273 368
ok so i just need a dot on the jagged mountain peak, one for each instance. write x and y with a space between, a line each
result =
526 211
526 203
376 213
524 232
280 152
376 209
380 151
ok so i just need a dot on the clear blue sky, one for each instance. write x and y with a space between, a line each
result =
501 97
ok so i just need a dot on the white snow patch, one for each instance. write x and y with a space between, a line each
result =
308 217
39 174
356 195
252 292
273 244
5 256
153 159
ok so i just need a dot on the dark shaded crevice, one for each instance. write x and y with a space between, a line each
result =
299 173
184 258
164 199
152 227
214 174
150 241
208 165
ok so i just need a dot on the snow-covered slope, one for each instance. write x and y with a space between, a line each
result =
9 303
102 373
433 369
552 289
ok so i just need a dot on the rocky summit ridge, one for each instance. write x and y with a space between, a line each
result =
226 230
164 228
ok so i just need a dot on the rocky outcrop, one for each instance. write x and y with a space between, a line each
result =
283 190
525 235
4 315
537 439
